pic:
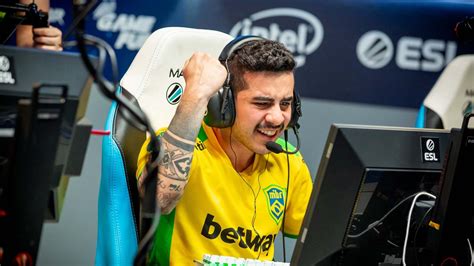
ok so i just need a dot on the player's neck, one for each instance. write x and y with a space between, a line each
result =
238 154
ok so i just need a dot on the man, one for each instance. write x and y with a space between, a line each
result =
230 199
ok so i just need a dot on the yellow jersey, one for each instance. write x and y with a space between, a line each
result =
224 212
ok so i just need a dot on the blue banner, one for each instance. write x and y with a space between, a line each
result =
377 52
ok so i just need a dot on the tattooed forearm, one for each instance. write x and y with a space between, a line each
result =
174 164
176 152
169 195
175 159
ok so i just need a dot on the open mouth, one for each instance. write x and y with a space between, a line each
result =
268 132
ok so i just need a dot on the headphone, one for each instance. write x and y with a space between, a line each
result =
221 107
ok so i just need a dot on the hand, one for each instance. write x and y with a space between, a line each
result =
47 38
204 75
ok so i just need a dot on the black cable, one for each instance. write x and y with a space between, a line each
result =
78 19
112 56
379 221
287 193
416 233
104 49
255 196
19 23
151 209
15 7
110 92
102 52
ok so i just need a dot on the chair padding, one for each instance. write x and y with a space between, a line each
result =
164 53
153 74
117 228
452 91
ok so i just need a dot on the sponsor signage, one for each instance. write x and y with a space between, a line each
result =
430 149
356 51
375 50
302 35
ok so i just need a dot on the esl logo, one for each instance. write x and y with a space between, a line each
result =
430 149
375 50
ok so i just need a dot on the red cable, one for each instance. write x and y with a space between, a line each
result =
100 132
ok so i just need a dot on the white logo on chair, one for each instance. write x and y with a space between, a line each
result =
301 38
174 93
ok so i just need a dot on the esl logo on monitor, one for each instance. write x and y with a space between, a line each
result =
430 149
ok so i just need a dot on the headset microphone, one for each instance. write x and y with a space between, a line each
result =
276 148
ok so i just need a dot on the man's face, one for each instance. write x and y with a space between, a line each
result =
263 109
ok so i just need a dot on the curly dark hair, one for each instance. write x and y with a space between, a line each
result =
258 56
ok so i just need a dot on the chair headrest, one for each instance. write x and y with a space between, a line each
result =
452 91
155 76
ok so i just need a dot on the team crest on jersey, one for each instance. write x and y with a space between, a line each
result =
276 197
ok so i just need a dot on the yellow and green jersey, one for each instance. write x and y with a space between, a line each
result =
224 212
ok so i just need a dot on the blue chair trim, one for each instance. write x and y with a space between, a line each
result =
117 241
420 120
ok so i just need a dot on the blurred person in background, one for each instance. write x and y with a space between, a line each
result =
49 38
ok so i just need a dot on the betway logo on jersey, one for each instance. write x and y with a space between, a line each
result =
244 238
300 31
375 50
132 29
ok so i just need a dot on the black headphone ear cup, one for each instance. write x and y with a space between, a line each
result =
295 111
221 109
228 115
230 112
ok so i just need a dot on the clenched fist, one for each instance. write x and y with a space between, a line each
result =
204 75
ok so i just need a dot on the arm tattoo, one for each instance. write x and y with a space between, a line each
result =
176 157
176 153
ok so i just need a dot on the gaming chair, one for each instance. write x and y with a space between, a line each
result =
154 82
451 95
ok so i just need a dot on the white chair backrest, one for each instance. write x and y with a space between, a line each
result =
453 91
154 78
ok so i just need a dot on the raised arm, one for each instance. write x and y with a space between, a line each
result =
204 76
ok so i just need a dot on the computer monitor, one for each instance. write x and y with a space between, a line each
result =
451 225
364 173
23 68
43 138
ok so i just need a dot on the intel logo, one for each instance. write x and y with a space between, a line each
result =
374 49
300 31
